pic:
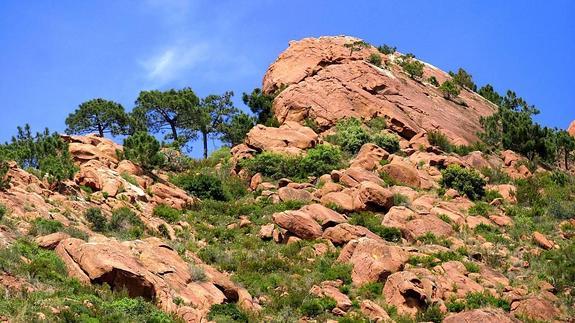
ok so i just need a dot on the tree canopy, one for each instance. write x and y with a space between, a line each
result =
167 112
260 104
99 116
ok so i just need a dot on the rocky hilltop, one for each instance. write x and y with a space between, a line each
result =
356 208
324 81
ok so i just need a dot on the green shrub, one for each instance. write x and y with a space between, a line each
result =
471 267
126 223
370 290
169 214
271 165
433 81
4 179
449 89
315 306
431 314
386 50
144 150
377 124
480 208
320 160
203 186
400 200
226 312
386 141
496 175
350 135
465 181
491 195
99 221
44 226
375 59
412 67
480 300
373 222
129 178
439 139
3 211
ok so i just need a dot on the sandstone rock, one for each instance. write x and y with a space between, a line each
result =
354 176
331 289
473 221
535 309
255 181
571 129
484 315
345 232
507 191
92 147
372 260
406 292
290 138
342 200
324 216
402 173
152 270
50 241
171 195
369 157
128 167
292 194
453 279
476 160
501 220
427 224
374 312
299 223
371 196
542 241
326 83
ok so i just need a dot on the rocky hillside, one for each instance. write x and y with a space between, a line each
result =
355 208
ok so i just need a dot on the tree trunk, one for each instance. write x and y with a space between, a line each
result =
100 131
205 139
174 132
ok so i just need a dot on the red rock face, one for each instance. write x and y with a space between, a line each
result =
325 82
571 129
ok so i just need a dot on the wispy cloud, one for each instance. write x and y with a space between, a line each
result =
170 63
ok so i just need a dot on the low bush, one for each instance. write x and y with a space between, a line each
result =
98 221
386 141
373 222
203 186
129 178
350 135
169 214
386 49
43 227
226 313
430 314
478 300
4 179
439 139
465 181
412 67
317 161
433 81
320 160
315 306
126 223
480 208
144 150
3 211
374 59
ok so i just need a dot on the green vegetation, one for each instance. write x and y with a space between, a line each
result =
433 81
318 161
3 211
478 300
234 132
315 306
374 59
4 179
76 301
356 46
386 49
126 224
203 186
169 214
44 154
463 79
465 181
449 89
143 149
412 66
261 105
351 135
226 312
99 116
95 217
373 222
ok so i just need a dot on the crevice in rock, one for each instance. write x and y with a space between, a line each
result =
135 285
231 294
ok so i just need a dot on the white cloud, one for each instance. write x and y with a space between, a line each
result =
169 64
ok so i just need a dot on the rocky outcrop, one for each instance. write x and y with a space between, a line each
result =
325 81
154 271
571 129
372 260
484 315
290 138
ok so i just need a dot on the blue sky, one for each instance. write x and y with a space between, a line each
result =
56 54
